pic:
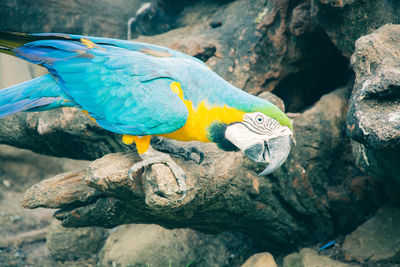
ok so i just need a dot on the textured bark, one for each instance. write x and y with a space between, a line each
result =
63 190
64 132
377 240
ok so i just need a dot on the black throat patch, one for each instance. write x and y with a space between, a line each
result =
217 135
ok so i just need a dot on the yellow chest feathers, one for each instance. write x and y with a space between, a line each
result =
201 117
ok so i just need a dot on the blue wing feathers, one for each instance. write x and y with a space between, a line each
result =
38 94
125 91
24 104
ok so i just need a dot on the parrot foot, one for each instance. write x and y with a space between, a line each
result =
152 157
187 153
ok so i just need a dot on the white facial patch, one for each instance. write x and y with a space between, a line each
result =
239 135
256 128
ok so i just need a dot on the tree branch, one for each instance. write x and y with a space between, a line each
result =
65 132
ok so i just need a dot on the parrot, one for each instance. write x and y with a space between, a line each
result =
140 90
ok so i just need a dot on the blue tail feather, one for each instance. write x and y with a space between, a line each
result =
38 94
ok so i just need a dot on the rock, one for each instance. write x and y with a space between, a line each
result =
71 244
374 117
108 18
310 258
373 120
26 237
19 224
293 260
319 176
377 240
260 260
150 19
21 168
347 20
152 245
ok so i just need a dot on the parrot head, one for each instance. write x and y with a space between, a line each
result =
264 135
262 139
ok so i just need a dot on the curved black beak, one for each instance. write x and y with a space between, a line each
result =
273 152
278 151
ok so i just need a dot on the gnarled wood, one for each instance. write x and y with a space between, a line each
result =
65 132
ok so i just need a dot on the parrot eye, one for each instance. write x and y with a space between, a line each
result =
259 119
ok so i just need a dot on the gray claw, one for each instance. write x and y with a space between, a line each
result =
194 149
130 174
169 147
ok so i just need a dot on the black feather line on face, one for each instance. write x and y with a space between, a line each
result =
217 135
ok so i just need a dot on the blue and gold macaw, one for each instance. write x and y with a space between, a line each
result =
141 90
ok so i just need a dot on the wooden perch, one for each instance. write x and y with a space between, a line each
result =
154 194
316 194
64 190
65 132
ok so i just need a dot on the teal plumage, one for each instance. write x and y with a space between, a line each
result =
38 94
